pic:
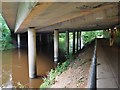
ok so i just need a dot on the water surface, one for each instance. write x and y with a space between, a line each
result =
15 67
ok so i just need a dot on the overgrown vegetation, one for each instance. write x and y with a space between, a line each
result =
90 35
87 36
118 37
50 79
62 41
5 37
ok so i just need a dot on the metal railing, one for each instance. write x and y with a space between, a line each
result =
92 77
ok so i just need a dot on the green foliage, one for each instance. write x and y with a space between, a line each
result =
106 34
62 35
62 39
53 73
62 44
5 38
117 39
90 35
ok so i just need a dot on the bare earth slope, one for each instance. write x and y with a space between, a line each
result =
76 76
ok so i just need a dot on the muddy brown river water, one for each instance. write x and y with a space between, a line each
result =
15 68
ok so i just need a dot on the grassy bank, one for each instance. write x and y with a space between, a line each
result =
50 79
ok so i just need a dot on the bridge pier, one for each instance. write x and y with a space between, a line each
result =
80 40
67 42
56 45
77 41
32 52
40 37
18 40
48 38
73 42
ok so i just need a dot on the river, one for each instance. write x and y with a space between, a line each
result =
15 67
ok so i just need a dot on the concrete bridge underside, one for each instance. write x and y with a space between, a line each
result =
35 17
63 16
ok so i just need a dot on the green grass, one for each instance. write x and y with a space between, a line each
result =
53 73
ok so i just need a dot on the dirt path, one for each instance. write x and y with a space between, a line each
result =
78 72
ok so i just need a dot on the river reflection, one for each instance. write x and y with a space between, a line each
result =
15 67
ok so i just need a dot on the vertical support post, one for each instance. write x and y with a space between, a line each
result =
18 40
48 42
56 45
32 52
40 37
80 39
67 42
73 42
48 38
77 40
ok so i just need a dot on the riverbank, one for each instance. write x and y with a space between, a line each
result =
77 73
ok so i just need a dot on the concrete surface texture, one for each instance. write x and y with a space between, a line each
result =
62 16
107 68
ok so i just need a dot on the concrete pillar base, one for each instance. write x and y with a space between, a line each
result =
33 76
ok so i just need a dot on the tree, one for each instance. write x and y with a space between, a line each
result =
90 35
5 35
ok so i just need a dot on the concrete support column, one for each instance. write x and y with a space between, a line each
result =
48 38
32 52
56 45
80 39
77 41
73 42
67 42
18 40
40 37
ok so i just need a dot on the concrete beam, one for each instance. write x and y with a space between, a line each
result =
67 42
24 9
32 9
98 19
80 40
77 41
56 45
32 52
74 42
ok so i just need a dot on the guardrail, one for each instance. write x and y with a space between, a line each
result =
92 84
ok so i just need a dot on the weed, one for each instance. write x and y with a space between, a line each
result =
53 73
19 85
